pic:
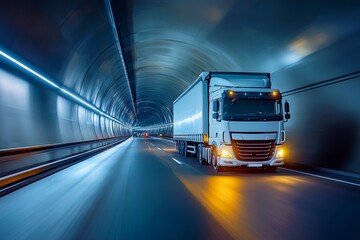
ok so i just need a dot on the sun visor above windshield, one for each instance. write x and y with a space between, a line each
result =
243 80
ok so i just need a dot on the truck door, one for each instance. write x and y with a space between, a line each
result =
215 115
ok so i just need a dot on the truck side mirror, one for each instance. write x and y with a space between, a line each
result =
287 107
215 115
287 110
215 106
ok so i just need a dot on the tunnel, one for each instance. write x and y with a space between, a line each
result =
88 143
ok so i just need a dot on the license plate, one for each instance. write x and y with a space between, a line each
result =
254 165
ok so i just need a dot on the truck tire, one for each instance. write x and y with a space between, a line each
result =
208 156
186 154
180 147
214 160
183 148
200 155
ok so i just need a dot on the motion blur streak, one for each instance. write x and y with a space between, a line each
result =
122 193
285 184
219 195
55 207
223 197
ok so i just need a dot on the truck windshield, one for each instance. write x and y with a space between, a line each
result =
252 110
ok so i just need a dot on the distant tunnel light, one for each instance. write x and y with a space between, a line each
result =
154 127
67 92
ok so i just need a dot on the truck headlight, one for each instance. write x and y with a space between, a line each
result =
280 153
226 154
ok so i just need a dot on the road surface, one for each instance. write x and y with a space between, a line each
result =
142 189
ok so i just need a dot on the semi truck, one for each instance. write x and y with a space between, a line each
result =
231 119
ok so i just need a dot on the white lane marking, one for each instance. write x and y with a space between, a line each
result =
159 148
152 144
177 161
327 178
147 144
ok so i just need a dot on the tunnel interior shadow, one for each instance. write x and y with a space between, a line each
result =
336 138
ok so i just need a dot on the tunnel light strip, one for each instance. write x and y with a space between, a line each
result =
119 47
65 91
28 69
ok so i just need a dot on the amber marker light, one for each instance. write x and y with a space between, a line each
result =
275 94
231 93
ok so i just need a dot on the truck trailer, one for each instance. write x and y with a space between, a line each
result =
231 119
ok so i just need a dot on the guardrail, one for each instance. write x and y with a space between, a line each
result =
21 166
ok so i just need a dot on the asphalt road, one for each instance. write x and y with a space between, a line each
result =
142 189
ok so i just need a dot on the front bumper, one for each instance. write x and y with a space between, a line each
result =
233 162
236 163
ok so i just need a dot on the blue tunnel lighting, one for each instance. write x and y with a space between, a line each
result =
13 60
67 92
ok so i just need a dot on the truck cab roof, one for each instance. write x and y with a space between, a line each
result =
240 80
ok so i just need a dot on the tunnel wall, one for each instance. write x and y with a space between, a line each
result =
323 92
31 114
73 44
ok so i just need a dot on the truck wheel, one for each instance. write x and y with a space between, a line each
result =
182 148
186 154
214 160
199 155
208 156
178 147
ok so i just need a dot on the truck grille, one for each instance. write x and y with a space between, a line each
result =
259 150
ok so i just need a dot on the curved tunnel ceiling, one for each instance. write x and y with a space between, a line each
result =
166 44
171 42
